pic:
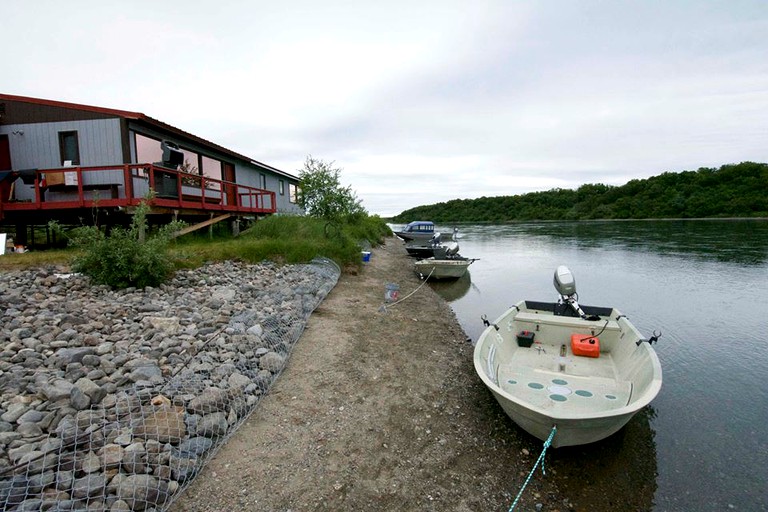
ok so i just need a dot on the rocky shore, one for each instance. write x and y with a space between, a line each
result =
113 400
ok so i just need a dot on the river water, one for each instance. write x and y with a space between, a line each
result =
703 443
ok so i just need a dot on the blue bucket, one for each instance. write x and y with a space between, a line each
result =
366 256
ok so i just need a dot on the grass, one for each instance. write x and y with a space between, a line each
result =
282 239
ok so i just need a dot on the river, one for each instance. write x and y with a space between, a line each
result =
703 443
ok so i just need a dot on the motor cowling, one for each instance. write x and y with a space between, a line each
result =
565 283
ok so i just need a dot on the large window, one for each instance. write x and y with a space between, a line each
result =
212 169
148 150
69 149
293 193
263 181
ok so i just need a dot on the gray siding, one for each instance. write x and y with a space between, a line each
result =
249 175
98 139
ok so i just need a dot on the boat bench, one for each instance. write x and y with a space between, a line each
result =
566 321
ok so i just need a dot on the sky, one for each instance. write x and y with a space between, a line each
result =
419 102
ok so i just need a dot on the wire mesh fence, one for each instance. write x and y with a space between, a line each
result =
126 418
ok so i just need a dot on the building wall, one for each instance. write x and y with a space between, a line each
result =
99 143
250 175
246 173
38 148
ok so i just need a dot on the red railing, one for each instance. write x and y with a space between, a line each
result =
127 185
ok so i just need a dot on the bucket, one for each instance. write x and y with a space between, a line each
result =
391 292
366 256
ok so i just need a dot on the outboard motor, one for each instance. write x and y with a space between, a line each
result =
565 284
451 248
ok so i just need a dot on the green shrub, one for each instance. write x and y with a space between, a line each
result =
124 259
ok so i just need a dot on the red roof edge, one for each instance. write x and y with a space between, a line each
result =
76 106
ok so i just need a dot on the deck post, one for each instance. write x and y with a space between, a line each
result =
21 234
236 227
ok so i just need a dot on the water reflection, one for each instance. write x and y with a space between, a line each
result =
738 241
617 473
452 290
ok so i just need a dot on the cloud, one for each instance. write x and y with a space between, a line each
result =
420 102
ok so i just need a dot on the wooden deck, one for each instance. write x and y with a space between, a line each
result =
49 193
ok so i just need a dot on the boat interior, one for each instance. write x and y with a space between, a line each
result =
567 365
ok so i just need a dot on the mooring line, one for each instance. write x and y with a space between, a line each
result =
384 306
540 459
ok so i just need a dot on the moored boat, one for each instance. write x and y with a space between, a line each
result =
449 268
417 230
586 370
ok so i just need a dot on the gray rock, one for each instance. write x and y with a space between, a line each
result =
90 485
91 389
272 361
195 446
78 399
212 425
57 390
141 491
15 411
210 400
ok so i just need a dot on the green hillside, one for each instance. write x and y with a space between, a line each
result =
739 190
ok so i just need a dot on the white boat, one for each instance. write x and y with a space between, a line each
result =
421 230
586 370
445 264
431 268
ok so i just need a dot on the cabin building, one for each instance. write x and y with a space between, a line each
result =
68 162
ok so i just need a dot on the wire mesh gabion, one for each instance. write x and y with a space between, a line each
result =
115 400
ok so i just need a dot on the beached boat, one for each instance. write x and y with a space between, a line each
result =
417 230
432 268
432 247
423 248
446 263
586 370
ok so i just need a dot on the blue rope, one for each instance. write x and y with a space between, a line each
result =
540 459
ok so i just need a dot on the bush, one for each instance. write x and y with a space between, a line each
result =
123 258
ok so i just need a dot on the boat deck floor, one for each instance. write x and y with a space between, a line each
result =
584 384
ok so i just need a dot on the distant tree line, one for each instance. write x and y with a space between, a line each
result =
739 190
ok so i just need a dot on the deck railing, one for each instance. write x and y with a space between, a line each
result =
127 185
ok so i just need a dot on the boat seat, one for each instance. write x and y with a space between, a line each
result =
568 321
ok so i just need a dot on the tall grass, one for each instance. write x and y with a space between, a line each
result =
287 239
282 239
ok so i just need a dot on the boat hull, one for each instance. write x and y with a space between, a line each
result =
412 236
442 269
542 382
420 251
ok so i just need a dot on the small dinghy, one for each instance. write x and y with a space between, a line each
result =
586 370
446 263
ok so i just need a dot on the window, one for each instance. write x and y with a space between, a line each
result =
148 150
293 193
263 181
69 149
281 186
212 169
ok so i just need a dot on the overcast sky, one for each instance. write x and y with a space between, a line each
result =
419 101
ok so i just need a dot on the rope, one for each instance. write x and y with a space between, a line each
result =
385 306
540 459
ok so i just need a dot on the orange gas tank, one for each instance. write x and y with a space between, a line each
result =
585 345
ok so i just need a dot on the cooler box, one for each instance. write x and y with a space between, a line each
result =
525 338
585 345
